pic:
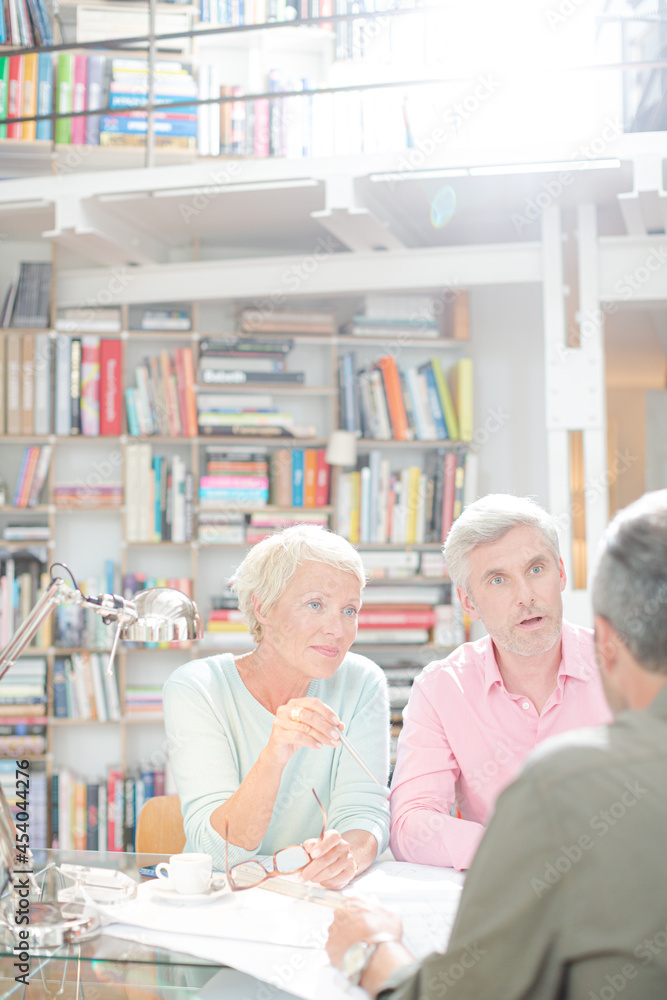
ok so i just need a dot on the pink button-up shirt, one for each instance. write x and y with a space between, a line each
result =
465 737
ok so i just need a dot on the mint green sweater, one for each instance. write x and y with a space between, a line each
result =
216 730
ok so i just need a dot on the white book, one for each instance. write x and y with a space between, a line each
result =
80 666
380 404
392 635
402 594
178 499
62 382
42 408
343 505
98 686
374 513
427 412
365 518
146 493
421 507
131 492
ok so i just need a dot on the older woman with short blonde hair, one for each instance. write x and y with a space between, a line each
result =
251 737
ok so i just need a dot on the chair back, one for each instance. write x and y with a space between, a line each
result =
160 826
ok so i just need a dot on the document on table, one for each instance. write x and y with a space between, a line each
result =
281 939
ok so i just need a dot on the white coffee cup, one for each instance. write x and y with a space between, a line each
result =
188 873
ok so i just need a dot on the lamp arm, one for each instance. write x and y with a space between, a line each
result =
57 593
109 606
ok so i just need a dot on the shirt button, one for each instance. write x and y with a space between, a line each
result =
526 704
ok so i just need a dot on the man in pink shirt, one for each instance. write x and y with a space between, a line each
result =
473 718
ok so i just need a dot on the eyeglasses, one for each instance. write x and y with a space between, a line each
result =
287 861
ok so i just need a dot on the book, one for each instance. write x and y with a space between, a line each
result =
90 385
28 383
239 377
42 386
462 380
29 107
446 401
64 85
4 93
75 385
91 320
62 385
44 129
94 97
14 383
14 91
110 407
40 474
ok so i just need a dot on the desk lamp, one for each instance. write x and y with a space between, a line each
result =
159 614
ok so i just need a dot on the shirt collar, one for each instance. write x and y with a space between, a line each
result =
573 662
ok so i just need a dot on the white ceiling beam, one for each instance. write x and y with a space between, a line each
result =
357 229
274 279
633 269
96 231
351 221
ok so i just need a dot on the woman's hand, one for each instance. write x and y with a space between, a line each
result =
355 921
332 862
302 722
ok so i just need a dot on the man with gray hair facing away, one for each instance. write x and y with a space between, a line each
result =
567 896
474 717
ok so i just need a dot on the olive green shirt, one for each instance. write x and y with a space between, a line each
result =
566 898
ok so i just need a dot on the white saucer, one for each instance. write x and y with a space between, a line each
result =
217 888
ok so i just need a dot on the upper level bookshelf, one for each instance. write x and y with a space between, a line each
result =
300 80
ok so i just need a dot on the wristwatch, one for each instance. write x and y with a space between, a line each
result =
359 955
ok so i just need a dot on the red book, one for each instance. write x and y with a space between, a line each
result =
448 493
226 615
115 818
158 782
310 477
15 95
370 618
181 390
110 387
79 85
326 10
322 480
28 473
190 398
394 393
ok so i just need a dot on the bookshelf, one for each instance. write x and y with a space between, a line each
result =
86 536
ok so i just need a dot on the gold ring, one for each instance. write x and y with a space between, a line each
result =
295 713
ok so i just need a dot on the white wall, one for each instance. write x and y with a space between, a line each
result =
508 353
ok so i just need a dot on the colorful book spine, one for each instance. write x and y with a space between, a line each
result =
79 85
29 98
90 386
297 477
4 93
110 387
14 92
94 97
44 128
64 84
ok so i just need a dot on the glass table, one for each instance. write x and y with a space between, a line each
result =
102 968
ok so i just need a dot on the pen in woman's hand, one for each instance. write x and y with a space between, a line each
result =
360 760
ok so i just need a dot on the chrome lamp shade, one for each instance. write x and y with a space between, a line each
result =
164 615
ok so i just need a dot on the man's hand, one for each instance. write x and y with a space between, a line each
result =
355 921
